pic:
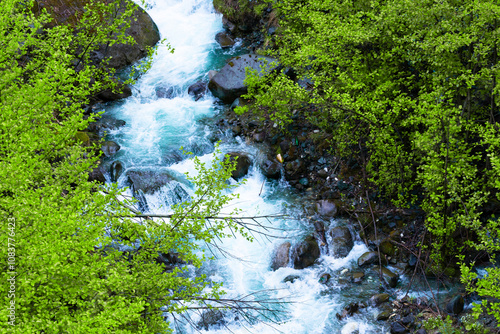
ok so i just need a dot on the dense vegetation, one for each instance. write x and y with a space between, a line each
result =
70 260
415 84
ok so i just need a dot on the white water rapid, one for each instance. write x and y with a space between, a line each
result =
156 128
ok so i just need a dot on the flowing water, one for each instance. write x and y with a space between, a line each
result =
155 130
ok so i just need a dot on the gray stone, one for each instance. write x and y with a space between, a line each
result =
198 89
342 242
281 256
243 163
370 258
390 277
228 84
378 299
110 148
115 170
224 40
305 253
142 29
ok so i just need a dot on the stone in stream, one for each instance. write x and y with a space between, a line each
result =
164 92
324 278
228 84
115 170
271 168
455 305
390 277
243 163
144 182
357 277
224 40
110 148
281 256
342 242
370 258
378 299
305 253
198 89
348 311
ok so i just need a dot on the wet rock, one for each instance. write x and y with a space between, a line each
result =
110 148
386 247
397 328
148 181
326 208
383 315
115 170
357 277
305 253
271 168
211 74
378 299
455 305
210 318
421 331
243 163
390 277
142 29
281 256
198 89
121 92
342 242
370 258
105 123
291 278
324 278
164 92
224 40
348 311
228 84
97 174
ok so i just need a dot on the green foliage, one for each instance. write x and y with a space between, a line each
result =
70 262
443 326
416 83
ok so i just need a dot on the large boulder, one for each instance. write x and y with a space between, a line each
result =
243 163
281 256
305 253
342 242
142 29
228 84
